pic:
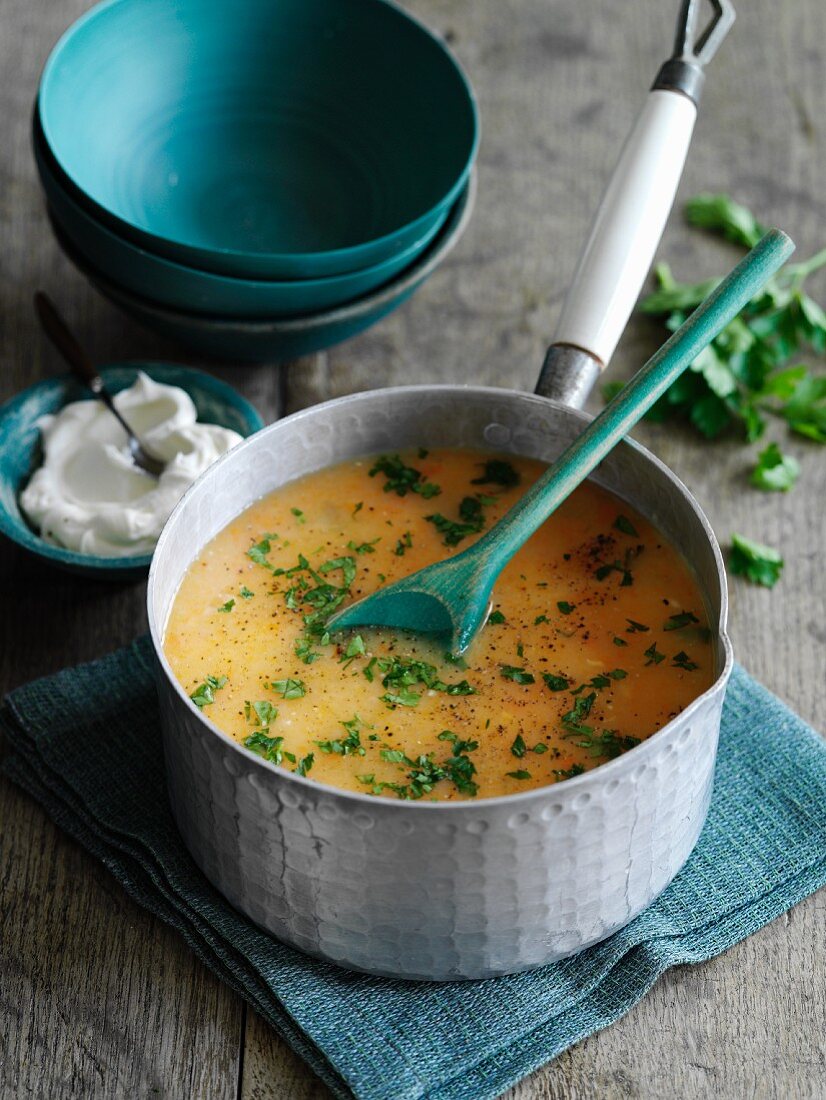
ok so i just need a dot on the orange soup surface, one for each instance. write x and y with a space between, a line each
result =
598 635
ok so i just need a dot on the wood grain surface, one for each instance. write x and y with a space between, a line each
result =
98 999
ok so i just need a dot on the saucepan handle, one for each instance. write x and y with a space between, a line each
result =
632 215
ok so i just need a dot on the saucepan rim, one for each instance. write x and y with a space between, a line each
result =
588 778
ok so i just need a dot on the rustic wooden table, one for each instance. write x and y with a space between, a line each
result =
98 999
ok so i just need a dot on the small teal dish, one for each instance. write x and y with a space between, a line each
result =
181 287
20 452
264 340
283 140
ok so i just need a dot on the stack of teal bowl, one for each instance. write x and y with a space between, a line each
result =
258 179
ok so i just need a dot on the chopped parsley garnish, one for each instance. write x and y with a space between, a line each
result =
402 673
363 547
682 660
228 606
289 688
574 719
204 694
565 607
258 553
498 472
539 748
568 773
653 655
760 564
299 515
471 521
521 774
367 671
540 619
271 748
619 641
404 698
618 674
636 628
496 617
355 648
245 593
265 713
616 566
403 544
346 746
305 652
519 748
424 772
677 622
304 764
624 524
311 587
774 471
555 683
403 479
518 675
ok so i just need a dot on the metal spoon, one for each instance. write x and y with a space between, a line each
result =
453 596
84 370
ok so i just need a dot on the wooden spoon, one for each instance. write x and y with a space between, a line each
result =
453 596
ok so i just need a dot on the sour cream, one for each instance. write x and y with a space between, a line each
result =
90 497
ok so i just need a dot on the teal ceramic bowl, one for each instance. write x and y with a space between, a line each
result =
20 452
173 284
263 138
259 341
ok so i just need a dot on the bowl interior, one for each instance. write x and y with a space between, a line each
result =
20 450
297 127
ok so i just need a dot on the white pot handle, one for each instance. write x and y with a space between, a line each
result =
628 226
632 215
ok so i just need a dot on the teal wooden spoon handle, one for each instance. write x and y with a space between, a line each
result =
634 400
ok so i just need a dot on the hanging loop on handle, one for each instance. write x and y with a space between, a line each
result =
632 215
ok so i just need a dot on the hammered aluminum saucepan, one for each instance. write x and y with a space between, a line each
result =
482 887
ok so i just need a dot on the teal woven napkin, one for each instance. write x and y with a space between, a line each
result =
85 743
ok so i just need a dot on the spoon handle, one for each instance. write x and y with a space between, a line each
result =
635 399
81 365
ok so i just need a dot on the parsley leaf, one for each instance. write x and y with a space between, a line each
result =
518 675
568 773
519 748
498 472
228 606
265 713
245 593
271 748
622 523
774 471
204 694
496 617
521 774
471 521
403 479
346 746
760 564
677 622
555 683
289 688
565 607
403 544
304 764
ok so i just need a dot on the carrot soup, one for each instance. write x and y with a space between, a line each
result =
598 634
